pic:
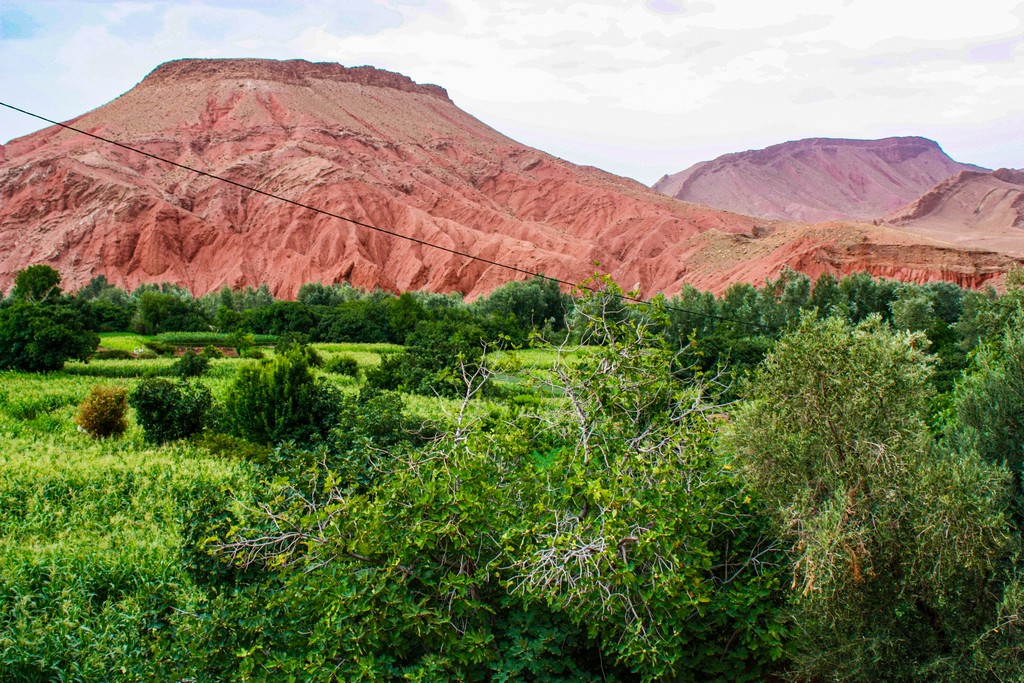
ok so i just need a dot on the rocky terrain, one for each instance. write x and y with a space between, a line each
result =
376 147
972 207
817 179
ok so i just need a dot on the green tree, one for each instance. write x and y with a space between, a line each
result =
605 543
168 312
41 338
895 544
169 410
36 284
279 400
988 410
633 518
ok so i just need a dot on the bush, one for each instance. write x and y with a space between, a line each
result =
191 365
252 354
170 410
161 348
343 365
103 411
273 402
211 352
432 359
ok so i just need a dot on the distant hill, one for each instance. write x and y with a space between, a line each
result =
817 179
980 207
376 147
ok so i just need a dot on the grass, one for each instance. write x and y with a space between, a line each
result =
123 341
94 534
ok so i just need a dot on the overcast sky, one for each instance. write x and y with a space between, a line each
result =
638 88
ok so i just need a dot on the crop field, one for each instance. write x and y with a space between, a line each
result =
95 550
623 511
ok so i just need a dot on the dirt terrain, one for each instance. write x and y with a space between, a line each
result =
376 147
817 179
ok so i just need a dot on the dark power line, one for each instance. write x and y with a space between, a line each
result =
361 224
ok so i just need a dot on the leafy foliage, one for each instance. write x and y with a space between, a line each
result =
36 284
169 410
343 365
192 364
41 338
279 400
988 409
103 413
894 543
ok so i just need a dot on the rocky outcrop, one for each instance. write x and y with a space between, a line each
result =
293 72
376 148
816 179
971 207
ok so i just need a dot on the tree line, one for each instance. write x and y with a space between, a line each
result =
819 481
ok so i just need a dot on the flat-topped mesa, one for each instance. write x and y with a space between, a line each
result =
293 71
892 150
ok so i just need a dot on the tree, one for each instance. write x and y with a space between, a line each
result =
37 338
533 304
604 542
895 544
988 411
36 284
634 519
272 402
168 312
170 409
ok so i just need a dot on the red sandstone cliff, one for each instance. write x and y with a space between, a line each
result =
379 148
816 179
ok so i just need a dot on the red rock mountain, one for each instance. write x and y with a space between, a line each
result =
985 209
378 148
817 179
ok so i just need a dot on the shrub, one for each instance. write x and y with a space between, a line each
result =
211 352
161 348
272 402
241 341
103 411
432 359
191 365
252 354
343 365
169 410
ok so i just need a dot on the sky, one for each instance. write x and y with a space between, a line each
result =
640 88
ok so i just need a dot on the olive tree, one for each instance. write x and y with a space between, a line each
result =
894 543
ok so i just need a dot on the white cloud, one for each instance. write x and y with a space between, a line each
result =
638 89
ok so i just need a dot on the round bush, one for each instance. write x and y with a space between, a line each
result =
103 411
212 352
169 410
191 364
343 365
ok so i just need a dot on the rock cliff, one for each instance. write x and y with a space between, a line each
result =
378 148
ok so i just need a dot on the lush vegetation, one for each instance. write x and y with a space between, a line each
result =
810 481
